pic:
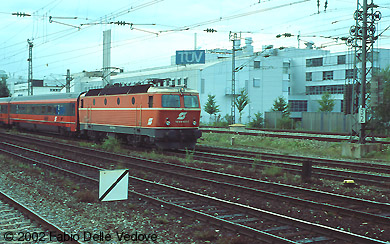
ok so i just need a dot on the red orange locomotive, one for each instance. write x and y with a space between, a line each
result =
165 117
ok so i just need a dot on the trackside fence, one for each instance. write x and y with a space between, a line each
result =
316 121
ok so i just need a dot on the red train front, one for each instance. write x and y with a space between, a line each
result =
167 117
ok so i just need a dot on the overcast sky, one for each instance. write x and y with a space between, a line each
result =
73 40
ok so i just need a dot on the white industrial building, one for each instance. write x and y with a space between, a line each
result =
301 76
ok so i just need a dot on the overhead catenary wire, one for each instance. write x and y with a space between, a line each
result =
125 42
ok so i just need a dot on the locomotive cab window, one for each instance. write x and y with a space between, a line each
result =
150 102
170 101
191 102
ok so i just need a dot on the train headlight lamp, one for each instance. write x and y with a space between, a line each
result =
168 123
194 122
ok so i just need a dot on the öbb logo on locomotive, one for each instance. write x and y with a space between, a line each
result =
135 114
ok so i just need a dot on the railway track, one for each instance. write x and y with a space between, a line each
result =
306 135
193 205
361 172
19 224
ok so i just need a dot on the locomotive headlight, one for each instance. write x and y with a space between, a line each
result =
194 122
168 123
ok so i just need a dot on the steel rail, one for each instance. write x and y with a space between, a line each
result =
342 235
197 194
290 136
34 216
244 180
373 167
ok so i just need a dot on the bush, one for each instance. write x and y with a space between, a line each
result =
111 144
285 123
223 122
258 121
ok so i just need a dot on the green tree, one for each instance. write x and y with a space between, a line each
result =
257 121
211 106
326 103
280 104
381 112
4 91
241 101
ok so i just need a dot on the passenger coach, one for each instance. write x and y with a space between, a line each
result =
55 113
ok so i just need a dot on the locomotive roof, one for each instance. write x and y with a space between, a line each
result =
57 96
169 89
118 90
149 88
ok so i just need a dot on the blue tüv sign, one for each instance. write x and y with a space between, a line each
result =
190 57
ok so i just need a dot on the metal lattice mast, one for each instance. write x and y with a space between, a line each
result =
362 40
235 39
68 80
30 71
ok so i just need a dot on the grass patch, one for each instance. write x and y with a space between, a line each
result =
283 145
87 144
383 154
111 144
189 156
272 171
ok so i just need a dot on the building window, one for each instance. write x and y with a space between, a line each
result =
314 62
297 105
309 76
256 82
327 75
179 81
256 64
286 67
349 73
319 90
185 82
341 59
202 84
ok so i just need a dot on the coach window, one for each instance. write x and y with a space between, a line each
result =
170 101
94 102
118 101
105 101
150 102
133 100
72 109
82 103
191 102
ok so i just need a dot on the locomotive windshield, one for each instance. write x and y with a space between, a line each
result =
191 102
170 101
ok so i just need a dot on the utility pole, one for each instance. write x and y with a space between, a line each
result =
362 40
362 108
235 38
30 72
68 80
